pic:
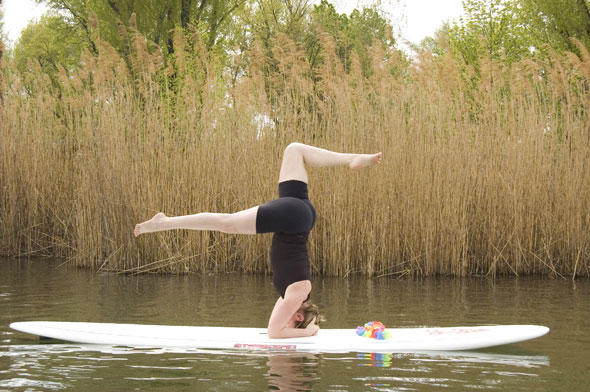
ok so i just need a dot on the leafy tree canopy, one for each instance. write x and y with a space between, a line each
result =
490 28
551 23
155 19
511 29
52 42
357 32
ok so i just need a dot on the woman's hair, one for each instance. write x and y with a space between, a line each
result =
310 311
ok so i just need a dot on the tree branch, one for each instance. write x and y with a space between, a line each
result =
185 12
200 11
114 7
218 22
81 20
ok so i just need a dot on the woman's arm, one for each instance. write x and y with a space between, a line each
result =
281 323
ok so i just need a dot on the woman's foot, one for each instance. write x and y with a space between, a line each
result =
365 160
154 224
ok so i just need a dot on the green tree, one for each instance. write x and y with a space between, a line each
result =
512 28
354 33
52 42
303 23
267 19
438 44
490 28
155 19
551 23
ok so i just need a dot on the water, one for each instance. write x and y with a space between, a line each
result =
40 290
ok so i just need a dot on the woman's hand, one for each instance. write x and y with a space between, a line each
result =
312 328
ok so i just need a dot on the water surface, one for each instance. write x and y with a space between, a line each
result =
41 290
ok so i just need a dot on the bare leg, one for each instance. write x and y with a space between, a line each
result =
243 222
297 155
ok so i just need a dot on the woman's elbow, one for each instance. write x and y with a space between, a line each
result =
274 333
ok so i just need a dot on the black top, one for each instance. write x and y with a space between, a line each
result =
289 260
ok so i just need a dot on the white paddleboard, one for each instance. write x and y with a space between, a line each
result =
327 340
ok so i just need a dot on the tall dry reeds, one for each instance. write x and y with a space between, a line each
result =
482 174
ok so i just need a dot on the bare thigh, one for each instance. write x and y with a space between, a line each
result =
242 222
293 164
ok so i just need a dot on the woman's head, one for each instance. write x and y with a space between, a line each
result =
306 313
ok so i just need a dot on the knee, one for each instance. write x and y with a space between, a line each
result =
293 148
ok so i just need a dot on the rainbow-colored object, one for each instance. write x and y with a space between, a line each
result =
373 329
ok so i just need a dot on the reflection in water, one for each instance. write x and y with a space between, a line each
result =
420 370
292 372
375 359
386 359
55 366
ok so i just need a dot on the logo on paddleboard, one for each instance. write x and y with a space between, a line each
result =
277 347
455 331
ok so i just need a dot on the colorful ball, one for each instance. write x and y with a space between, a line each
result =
360 330
373 329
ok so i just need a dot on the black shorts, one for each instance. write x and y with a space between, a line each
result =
291 213
290 218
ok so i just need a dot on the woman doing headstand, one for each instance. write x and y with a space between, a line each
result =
290 218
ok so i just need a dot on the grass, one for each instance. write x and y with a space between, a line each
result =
486 180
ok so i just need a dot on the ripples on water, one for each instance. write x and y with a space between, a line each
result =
61 366
36 290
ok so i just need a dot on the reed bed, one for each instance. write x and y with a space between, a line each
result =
482 174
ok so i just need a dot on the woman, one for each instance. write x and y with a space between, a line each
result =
290 218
